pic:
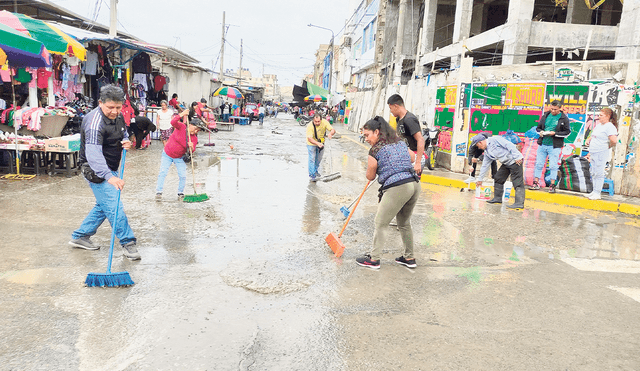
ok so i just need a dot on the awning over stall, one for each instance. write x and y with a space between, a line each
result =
84 36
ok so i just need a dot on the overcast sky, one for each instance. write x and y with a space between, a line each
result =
274 33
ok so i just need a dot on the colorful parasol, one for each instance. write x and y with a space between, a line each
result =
229 92
20 50
54 40
315 98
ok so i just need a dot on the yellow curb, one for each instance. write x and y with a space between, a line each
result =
557 198
353 140
629 209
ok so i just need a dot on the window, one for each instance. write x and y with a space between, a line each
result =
369 36
357 49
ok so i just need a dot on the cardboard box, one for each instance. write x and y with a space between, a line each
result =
69 143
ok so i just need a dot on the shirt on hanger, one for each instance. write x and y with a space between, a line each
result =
159 82
23 76
73 61
43 78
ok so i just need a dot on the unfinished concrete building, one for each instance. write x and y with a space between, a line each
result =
434 34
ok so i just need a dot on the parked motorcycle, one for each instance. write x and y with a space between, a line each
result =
303 120
430 146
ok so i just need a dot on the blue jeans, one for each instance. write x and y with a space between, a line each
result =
165 164
225 117
106 196
261 118
541 158
315 156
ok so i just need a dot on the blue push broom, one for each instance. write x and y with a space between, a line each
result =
111 279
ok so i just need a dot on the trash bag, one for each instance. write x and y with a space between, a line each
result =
575 174
512 137
532 133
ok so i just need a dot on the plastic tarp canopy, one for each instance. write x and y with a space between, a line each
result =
315 89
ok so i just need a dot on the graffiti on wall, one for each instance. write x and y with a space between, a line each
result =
498 107
445 111
574 100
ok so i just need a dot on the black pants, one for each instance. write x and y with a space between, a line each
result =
514 170
139 134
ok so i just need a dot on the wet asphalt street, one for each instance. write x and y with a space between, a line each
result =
245 281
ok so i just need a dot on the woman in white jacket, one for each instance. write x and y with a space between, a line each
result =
603 136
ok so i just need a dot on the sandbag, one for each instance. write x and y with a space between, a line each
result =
529 152
575 174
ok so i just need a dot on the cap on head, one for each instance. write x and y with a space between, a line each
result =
477 139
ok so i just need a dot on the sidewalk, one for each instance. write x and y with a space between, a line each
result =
615 203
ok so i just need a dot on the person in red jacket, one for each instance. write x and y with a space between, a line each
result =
175 148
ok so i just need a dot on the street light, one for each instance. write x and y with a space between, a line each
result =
330 51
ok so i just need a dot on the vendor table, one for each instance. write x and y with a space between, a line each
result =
64 163
239 119
229 125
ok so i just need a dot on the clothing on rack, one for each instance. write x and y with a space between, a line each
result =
91 67
43 78
159 82
141 63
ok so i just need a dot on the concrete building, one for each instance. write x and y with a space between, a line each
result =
356 66
318 66
267 83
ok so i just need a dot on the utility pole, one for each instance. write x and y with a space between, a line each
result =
240 68
221 76
113 27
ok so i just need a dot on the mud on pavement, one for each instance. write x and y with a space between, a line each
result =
245 281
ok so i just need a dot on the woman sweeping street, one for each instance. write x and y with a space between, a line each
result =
164 122
390 159
175 148
602 138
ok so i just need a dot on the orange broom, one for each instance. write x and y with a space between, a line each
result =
334 241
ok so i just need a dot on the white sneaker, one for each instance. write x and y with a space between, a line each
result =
470 179
587 195
594 196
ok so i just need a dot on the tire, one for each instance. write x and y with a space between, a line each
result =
431 158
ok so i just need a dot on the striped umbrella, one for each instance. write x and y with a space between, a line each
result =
56 41
315 98
21 50
229 92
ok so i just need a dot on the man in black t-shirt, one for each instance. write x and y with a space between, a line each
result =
408 128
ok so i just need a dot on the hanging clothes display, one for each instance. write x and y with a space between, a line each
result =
141 63
43 77
91 67
158 82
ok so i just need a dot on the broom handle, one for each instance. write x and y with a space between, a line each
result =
193 173
115 216
354 209
356 199
330 158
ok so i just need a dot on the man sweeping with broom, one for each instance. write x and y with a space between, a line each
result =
103 137
316 130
